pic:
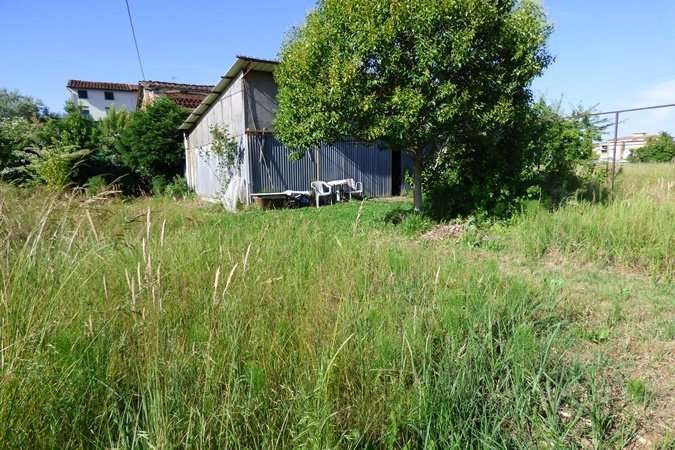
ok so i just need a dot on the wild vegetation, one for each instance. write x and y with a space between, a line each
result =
659 148
139 152
156 324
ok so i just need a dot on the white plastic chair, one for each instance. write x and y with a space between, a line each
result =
321 189
355 187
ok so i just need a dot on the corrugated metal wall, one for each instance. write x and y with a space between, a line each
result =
364 162
272 171
207 177
202 169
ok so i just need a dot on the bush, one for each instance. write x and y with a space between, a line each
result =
177 188
151 145
660 148
53 166
15 135
108 133
540 153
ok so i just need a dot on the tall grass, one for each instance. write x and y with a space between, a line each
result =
635 230
154 325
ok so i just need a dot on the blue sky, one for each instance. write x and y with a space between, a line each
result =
609 53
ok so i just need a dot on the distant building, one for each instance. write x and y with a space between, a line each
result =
625 146
95 98
186 95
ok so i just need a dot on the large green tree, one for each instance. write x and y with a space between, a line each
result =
428 77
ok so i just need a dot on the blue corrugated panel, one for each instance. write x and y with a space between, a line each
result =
364 162
272 171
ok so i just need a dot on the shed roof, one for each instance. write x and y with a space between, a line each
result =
241 63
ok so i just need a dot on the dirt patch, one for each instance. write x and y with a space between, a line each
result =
442 232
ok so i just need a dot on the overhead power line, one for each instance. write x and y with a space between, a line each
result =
133 33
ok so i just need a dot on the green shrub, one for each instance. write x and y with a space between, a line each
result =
157 185
151 145
52 166
660 148
177 188
16 134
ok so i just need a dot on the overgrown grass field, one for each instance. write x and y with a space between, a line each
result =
153 323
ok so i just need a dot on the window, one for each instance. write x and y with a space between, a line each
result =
84 112
109 95
604 149
82 94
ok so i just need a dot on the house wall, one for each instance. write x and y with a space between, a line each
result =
625 147
97 103
202 168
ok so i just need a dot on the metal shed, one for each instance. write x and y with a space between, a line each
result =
244 100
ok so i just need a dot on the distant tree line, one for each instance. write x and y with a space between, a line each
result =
138 151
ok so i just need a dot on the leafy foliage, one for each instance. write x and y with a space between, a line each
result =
131 149
108 132
15 135
51 165
151 144
660 148
14 105
223 145
559 157
445 81
73 129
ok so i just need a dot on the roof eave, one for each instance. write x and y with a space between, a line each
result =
239 64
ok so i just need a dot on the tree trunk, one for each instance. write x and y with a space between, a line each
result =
417 181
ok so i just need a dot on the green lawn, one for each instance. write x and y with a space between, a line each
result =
159 324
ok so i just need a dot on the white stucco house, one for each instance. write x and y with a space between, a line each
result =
625 146
95 98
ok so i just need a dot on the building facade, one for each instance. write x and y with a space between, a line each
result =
244 104
625 146
96 98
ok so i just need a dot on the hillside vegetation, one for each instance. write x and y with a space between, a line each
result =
156 323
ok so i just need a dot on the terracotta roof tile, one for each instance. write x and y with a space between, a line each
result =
101 85
152 84
190 101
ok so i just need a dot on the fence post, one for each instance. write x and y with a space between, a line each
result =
616 138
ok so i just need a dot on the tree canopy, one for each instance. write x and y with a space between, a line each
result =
14 105
429 77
